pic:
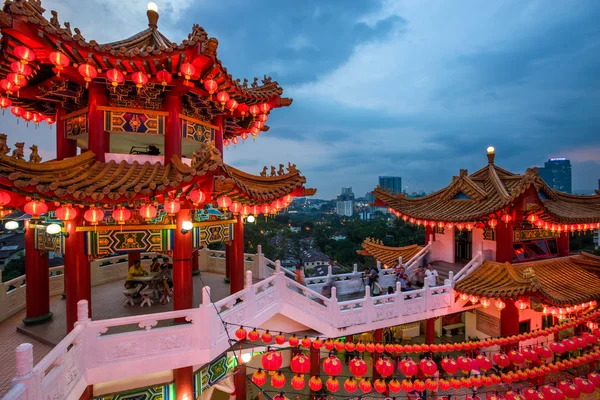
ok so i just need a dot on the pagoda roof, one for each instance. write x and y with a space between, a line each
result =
83 180
387 255
471 197
561 281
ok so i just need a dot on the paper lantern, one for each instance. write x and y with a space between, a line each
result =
349 347
266 337
65 213
11 88
88 72
500 305
94 216
16 79
390 348
332 366
408 367
259 377
594 377
226 142
485 302
350 385
140 79
20 69
407 385
315 383
271 360
521 305
5 102
278 380
121 215
293 341
35 208
211 86
280 339
164 77
60 61
501 360
444 384
338 345
223 98
317 343
551 392
235 207
243 109
379 385
241 333
379 348
449 365
516 357
148 211
333 385
25 54
365 385
115 77
427 366
188 70
569 389
253 335
492 223
300 364
360 347
506 218
465 364
224 201
358 367
172 207
298 382
466 382
370 347
483 362
384 367
254 110
584 385
231 105
4 199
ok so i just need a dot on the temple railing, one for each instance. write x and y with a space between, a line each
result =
417 261
122 348
471 266
352 282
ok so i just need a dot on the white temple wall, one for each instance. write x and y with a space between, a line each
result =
487 246
443 246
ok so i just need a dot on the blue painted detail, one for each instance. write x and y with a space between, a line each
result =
461 196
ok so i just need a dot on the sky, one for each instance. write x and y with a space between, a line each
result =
417 89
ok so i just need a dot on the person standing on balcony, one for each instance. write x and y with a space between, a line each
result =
420 277
373 272
402 278
377 290
431 275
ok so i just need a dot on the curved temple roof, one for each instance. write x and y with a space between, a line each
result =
388 256
561 281
476 196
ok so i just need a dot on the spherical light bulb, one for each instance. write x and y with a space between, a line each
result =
152 6
246 357
53 229
187 225
491 150
250 219
11 225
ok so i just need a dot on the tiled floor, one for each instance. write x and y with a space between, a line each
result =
107 302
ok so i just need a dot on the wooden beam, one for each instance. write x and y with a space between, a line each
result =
153 227
74 114
197 121
133 110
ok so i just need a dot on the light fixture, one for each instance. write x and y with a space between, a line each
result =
246 357
251 219
491 150
53 229
152 6
186 226
11 225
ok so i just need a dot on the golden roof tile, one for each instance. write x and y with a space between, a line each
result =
387 255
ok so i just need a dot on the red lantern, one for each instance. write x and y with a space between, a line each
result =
558 347
380 385
384 367
500 305
223 98
254 110
543 351
10 88
172 207
148 211
164 77
428 367
226 142
35 208
65 213
350 385
271 360
390 347
188 70
332 366
140 79
431 384
380 348
365 385
115 77
224 202
408 367
501 360
265 209
329 344
300 364
569 389
370 347
358 367
293 341
241 333
317 343
262 118
264 108
243 109
121 214
492 223
394 386
529 354
333 385
25 54
258 125
315 383
594 377
231 105
280 339
259 377
16 79
5 102
465 364
516 357
278 380
236 207
59 60
349 347
483 362
234 140
88 72
211 86
419 385
4 199
444 384
407 385
20 68
94 216
552 393
584 385
298 382
506 218
360 347
266 337
253 335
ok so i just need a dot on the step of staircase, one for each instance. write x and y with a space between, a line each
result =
443 268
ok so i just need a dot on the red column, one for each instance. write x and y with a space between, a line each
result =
239 380
88 393
509 321
38 282
315 364
133 257
173 127
430 330
237 267
218 121
504 242
98 138
429 234
183 288
78 281
184 382
377 338
563 244
195 265
65 148
229 255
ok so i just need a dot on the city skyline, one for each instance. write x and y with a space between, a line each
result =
526 87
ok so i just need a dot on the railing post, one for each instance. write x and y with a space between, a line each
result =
24 370
277 266
261 267
451 276
400 261
379 265
248 279
329 271
333 307
368 308
82 312
355 268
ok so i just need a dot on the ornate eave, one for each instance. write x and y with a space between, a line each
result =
387 255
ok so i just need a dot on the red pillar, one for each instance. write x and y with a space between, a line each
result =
504 242
218 121
195 265
239 380
377 338
429 234
229 256
430 330
184 382
78 281
133 257
509 321
237 266
173 127
315 364
183 288
65 148
563 244
98 138
38 282
88 393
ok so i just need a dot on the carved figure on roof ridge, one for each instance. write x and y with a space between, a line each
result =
273 171
54 19
18 151
245 84
291 167
264 171
4 149
281 170
464 172
255 83
34 157
266 80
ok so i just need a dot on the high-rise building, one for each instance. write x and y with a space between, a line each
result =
393 183
345 202
557 174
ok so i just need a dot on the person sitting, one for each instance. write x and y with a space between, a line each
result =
135 271
155 266
165 283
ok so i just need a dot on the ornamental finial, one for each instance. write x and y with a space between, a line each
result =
491 152
152 14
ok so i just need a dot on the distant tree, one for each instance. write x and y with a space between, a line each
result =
14 268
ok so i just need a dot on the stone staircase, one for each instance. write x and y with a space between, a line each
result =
443 268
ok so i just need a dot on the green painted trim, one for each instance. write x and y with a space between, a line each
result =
37 320
196 272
